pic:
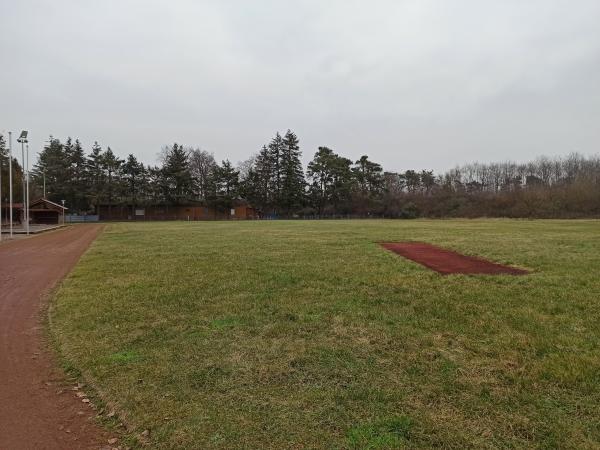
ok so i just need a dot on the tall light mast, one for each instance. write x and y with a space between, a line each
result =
23 140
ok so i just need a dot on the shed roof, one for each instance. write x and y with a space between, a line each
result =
47 203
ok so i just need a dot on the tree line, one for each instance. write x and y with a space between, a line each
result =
275 183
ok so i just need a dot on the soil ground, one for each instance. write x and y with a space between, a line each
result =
38 409
448 262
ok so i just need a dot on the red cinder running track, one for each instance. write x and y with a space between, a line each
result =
37 410
448 262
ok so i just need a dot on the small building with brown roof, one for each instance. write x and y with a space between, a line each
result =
44 211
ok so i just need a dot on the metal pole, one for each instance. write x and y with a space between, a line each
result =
0 199
44 174
27 209
10 186
24 214
22 181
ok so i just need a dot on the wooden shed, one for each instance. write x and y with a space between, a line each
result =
46 212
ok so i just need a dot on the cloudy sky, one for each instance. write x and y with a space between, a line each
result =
412 83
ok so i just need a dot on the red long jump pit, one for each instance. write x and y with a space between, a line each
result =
448 262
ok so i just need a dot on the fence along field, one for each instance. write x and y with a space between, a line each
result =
308 334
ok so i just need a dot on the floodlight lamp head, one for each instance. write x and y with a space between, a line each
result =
22 137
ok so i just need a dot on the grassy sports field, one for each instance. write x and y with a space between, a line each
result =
307 334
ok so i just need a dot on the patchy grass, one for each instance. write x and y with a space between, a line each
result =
309 335
389 433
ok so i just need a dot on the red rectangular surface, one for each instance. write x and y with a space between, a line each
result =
448 262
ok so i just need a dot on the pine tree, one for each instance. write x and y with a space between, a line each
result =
332 181
319 170
156 190
111 166
133 172
79 182
223 187
262 181
249 189
177 175
275 151
228 180
94 176
369 186
291 196
53 165
342 185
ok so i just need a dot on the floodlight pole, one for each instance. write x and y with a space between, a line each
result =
0 199
27 196
23 140
10 186
24 216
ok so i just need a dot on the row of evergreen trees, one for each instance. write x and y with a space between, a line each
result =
274 182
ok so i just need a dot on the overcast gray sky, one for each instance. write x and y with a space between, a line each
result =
414 84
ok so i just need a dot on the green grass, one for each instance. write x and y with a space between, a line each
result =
307 334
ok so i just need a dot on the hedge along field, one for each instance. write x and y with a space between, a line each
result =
307 334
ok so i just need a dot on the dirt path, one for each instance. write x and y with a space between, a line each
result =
448 262
37 409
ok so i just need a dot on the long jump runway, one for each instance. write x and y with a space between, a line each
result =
448 262
37 410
